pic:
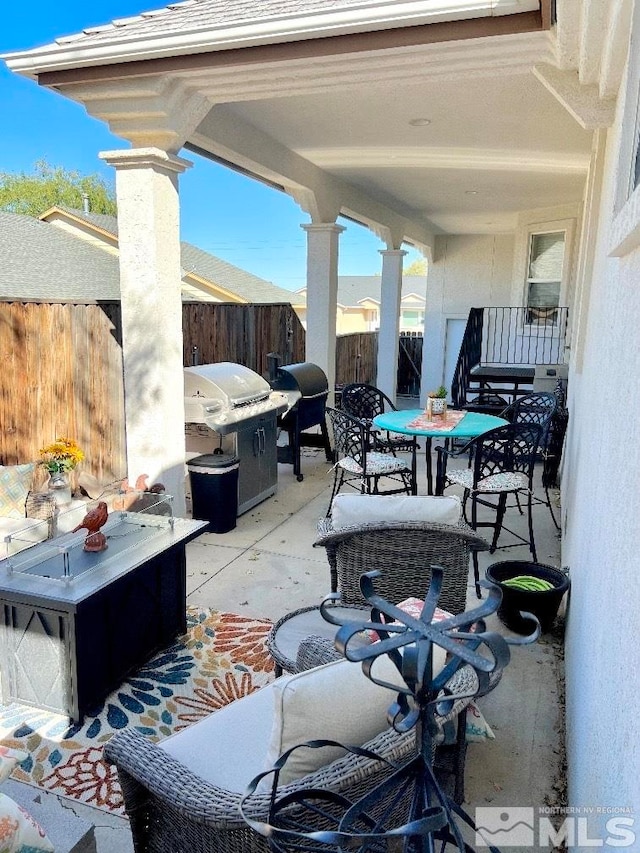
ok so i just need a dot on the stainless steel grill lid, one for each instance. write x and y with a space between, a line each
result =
223 394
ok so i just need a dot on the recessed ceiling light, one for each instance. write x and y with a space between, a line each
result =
471 192
419 122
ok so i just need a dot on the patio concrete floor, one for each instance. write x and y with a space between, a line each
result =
268 566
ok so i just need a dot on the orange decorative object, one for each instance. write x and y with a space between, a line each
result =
95 542
92 522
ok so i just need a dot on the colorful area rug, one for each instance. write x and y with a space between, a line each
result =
221 658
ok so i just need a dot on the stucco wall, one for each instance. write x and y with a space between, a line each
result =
468 270
601 503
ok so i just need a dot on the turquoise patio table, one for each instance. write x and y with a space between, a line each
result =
471 425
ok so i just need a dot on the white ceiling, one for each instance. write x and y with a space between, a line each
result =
495 145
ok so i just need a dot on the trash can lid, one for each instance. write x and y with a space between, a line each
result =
213 460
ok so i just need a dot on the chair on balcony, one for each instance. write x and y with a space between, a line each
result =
362 468
365 401
501 463
540 407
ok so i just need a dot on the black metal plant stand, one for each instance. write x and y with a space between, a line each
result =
318 820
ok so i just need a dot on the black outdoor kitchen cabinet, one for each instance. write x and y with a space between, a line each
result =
67 656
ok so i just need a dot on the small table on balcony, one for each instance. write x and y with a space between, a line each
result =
471 425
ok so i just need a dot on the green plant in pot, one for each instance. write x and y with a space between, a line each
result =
437 401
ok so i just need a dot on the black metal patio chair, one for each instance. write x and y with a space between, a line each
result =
362 468
501 463
365 401
540 407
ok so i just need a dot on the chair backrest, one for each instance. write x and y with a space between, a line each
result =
536 408
350 436
510 448
365 401
403 552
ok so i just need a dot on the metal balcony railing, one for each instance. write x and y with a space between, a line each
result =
509 337
531 336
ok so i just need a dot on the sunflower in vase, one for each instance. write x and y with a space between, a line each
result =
59 458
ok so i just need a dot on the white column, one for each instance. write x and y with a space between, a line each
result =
150 293
322 297
388 342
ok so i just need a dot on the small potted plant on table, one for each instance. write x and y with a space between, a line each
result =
437 402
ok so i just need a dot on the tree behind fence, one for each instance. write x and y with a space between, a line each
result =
62 370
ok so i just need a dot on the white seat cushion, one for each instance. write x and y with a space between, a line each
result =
354 510
336 702
504 481
377 463
229 747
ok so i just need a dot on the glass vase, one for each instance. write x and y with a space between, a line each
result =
60 488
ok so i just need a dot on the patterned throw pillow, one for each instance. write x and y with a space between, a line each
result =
8 760
15 482
19 831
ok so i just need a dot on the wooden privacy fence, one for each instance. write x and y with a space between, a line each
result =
244 334
62 370
62 376
356 361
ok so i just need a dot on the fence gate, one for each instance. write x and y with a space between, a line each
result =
409 366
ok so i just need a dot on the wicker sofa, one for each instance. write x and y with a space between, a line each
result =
26 515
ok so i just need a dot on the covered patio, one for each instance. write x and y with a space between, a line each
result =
465 133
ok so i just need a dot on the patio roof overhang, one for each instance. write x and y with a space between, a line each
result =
411 118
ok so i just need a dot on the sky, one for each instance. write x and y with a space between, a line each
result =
235 218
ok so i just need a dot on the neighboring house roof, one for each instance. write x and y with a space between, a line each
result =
42 263
202 271
354 290
250 287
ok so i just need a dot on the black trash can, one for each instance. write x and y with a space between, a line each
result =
214 490
543 604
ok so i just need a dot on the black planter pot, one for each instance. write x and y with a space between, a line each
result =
544 605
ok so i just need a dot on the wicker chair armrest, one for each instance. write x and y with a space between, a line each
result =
146 766
143 766
315 651
41 506
463 681
324 527
328 536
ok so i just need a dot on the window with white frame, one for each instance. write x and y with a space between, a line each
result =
412 318
544 278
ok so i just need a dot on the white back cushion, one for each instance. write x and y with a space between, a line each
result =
350 510
334 702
